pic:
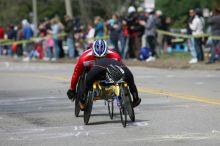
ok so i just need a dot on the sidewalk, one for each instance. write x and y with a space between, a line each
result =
168 63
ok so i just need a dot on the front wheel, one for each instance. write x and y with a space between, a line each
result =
111 108
78 89
123 115
88 108
77 108
128 104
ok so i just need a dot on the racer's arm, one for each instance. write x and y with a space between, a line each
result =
77 72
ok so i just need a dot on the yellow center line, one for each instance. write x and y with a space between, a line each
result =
208 100
58 78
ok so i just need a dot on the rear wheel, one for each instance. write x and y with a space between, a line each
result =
88 108
79 87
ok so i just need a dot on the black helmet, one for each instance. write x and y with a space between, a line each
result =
115 72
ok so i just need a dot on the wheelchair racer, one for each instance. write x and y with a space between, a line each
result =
93 60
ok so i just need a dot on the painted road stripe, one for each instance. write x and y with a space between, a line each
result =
208 100
180 95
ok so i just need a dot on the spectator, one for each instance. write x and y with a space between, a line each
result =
140 29
27 35
90 35
78 36
162 25
150 32
191 41
99 27
60 38
166 41
214 22
19 49
55 30
115 31
50 47
2 34
197 26
131 21
69 30
11 35
124 39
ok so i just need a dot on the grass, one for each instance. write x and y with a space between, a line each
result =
175 56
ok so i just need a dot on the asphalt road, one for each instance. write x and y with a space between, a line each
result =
179 107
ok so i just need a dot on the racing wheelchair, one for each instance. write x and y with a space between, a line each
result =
113 88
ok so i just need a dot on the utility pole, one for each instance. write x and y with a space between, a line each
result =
34 5
69 11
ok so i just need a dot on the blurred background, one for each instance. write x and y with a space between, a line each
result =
12 12
54 29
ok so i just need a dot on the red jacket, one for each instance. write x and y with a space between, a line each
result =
2 32
87 60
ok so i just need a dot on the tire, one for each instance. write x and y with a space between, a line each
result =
79 87
88 108
123 111
123 115
77 108
128 104
111 108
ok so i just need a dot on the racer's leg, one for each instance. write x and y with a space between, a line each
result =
129 78
96 73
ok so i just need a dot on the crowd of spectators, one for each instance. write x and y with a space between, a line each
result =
132 36
196 26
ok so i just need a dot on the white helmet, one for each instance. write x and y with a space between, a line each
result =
99 48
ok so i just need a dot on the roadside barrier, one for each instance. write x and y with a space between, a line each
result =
37 39
187 36
34 39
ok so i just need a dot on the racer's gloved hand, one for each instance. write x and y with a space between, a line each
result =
136 99
71 94
136 102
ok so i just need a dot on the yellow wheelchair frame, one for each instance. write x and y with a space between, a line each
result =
109 92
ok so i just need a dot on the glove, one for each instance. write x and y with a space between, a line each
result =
71 94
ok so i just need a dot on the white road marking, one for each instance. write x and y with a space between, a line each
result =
215 131
10 101
7 64
210 76
144 76
65 131
174 137
199 83
78 128
39 108
170 76
139 124
77 134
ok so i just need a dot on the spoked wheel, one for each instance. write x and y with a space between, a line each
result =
123 115
88 108
128 104
111 108
79 87
123 111
77 108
